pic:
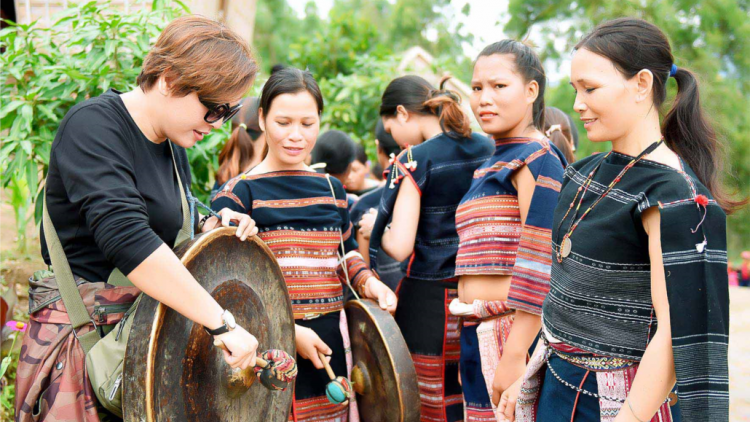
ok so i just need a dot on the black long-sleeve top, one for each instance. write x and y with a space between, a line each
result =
111 193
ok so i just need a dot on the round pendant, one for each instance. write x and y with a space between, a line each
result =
567 245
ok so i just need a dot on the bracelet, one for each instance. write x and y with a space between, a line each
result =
361 287
203 221
633 411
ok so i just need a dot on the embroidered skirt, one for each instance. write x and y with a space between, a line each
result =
52 383
432 335
554 375
482 342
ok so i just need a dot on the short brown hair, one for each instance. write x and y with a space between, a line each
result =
200 55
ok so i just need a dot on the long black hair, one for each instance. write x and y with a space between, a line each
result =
529 66
416 95
634 45
336 149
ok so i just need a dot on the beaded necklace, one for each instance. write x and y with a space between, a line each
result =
567 244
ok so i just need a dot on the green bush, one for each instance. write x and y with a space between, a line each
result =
353 100
46 71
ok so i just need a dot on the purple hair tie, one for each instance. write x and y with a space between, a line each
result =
673 70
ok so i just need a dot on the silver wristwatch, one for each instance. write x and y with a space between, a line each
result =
229 324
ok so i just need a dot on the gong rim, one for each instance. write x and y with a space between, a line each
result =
193 250
154 342
370 307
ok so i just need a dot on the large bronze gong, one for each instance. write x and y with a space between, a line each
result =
172 372
383 374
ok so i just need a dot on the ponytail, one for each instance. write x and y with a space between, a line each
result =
558 139
557 128
416 95
236 155
687 132
446 105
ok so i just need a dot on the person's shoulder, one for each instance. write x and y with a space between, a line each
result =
532 149
101 109
579 164
93 117
338 187
238 186
668 185
336 183
534 145
369 200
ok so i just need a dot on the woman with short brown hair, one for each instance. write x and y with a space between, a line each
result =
115 195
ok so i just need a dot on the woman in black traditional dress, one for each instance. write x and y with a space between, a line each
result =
639 299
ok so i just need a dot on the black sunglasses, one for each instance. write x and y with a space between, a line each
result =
217 112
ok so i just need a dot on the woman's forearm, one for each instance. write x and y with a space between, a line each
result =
163 277
655 376
525 328
654 379
398 241
364 248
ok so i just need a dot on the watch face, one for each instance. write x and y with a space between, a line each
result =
229 320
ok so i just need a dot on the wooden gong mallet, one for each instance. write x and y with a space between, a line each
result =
339 390
274 375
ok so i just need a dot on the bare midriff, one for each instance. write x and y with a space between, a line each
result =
483 287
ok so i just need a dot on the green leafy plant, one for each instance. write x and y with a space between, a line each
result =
46 71
8 367
353 101
204 161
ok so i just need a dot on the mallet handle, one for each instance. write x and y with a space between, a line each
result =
326 365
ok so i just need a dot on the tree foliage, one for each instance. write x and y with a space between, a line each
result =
46 71
378 28
354 54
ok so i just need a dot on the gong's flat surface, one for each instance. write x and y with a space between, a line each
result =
383 375
172 372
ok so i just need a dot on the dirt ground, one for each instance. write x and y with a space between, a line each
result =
16 269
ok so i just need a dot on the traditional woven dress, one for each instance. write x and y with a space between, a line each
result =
598 317
299 219
494 242
441 168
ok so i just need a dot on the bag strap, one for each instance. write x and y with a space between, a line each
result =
72 300
185 232
342 259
